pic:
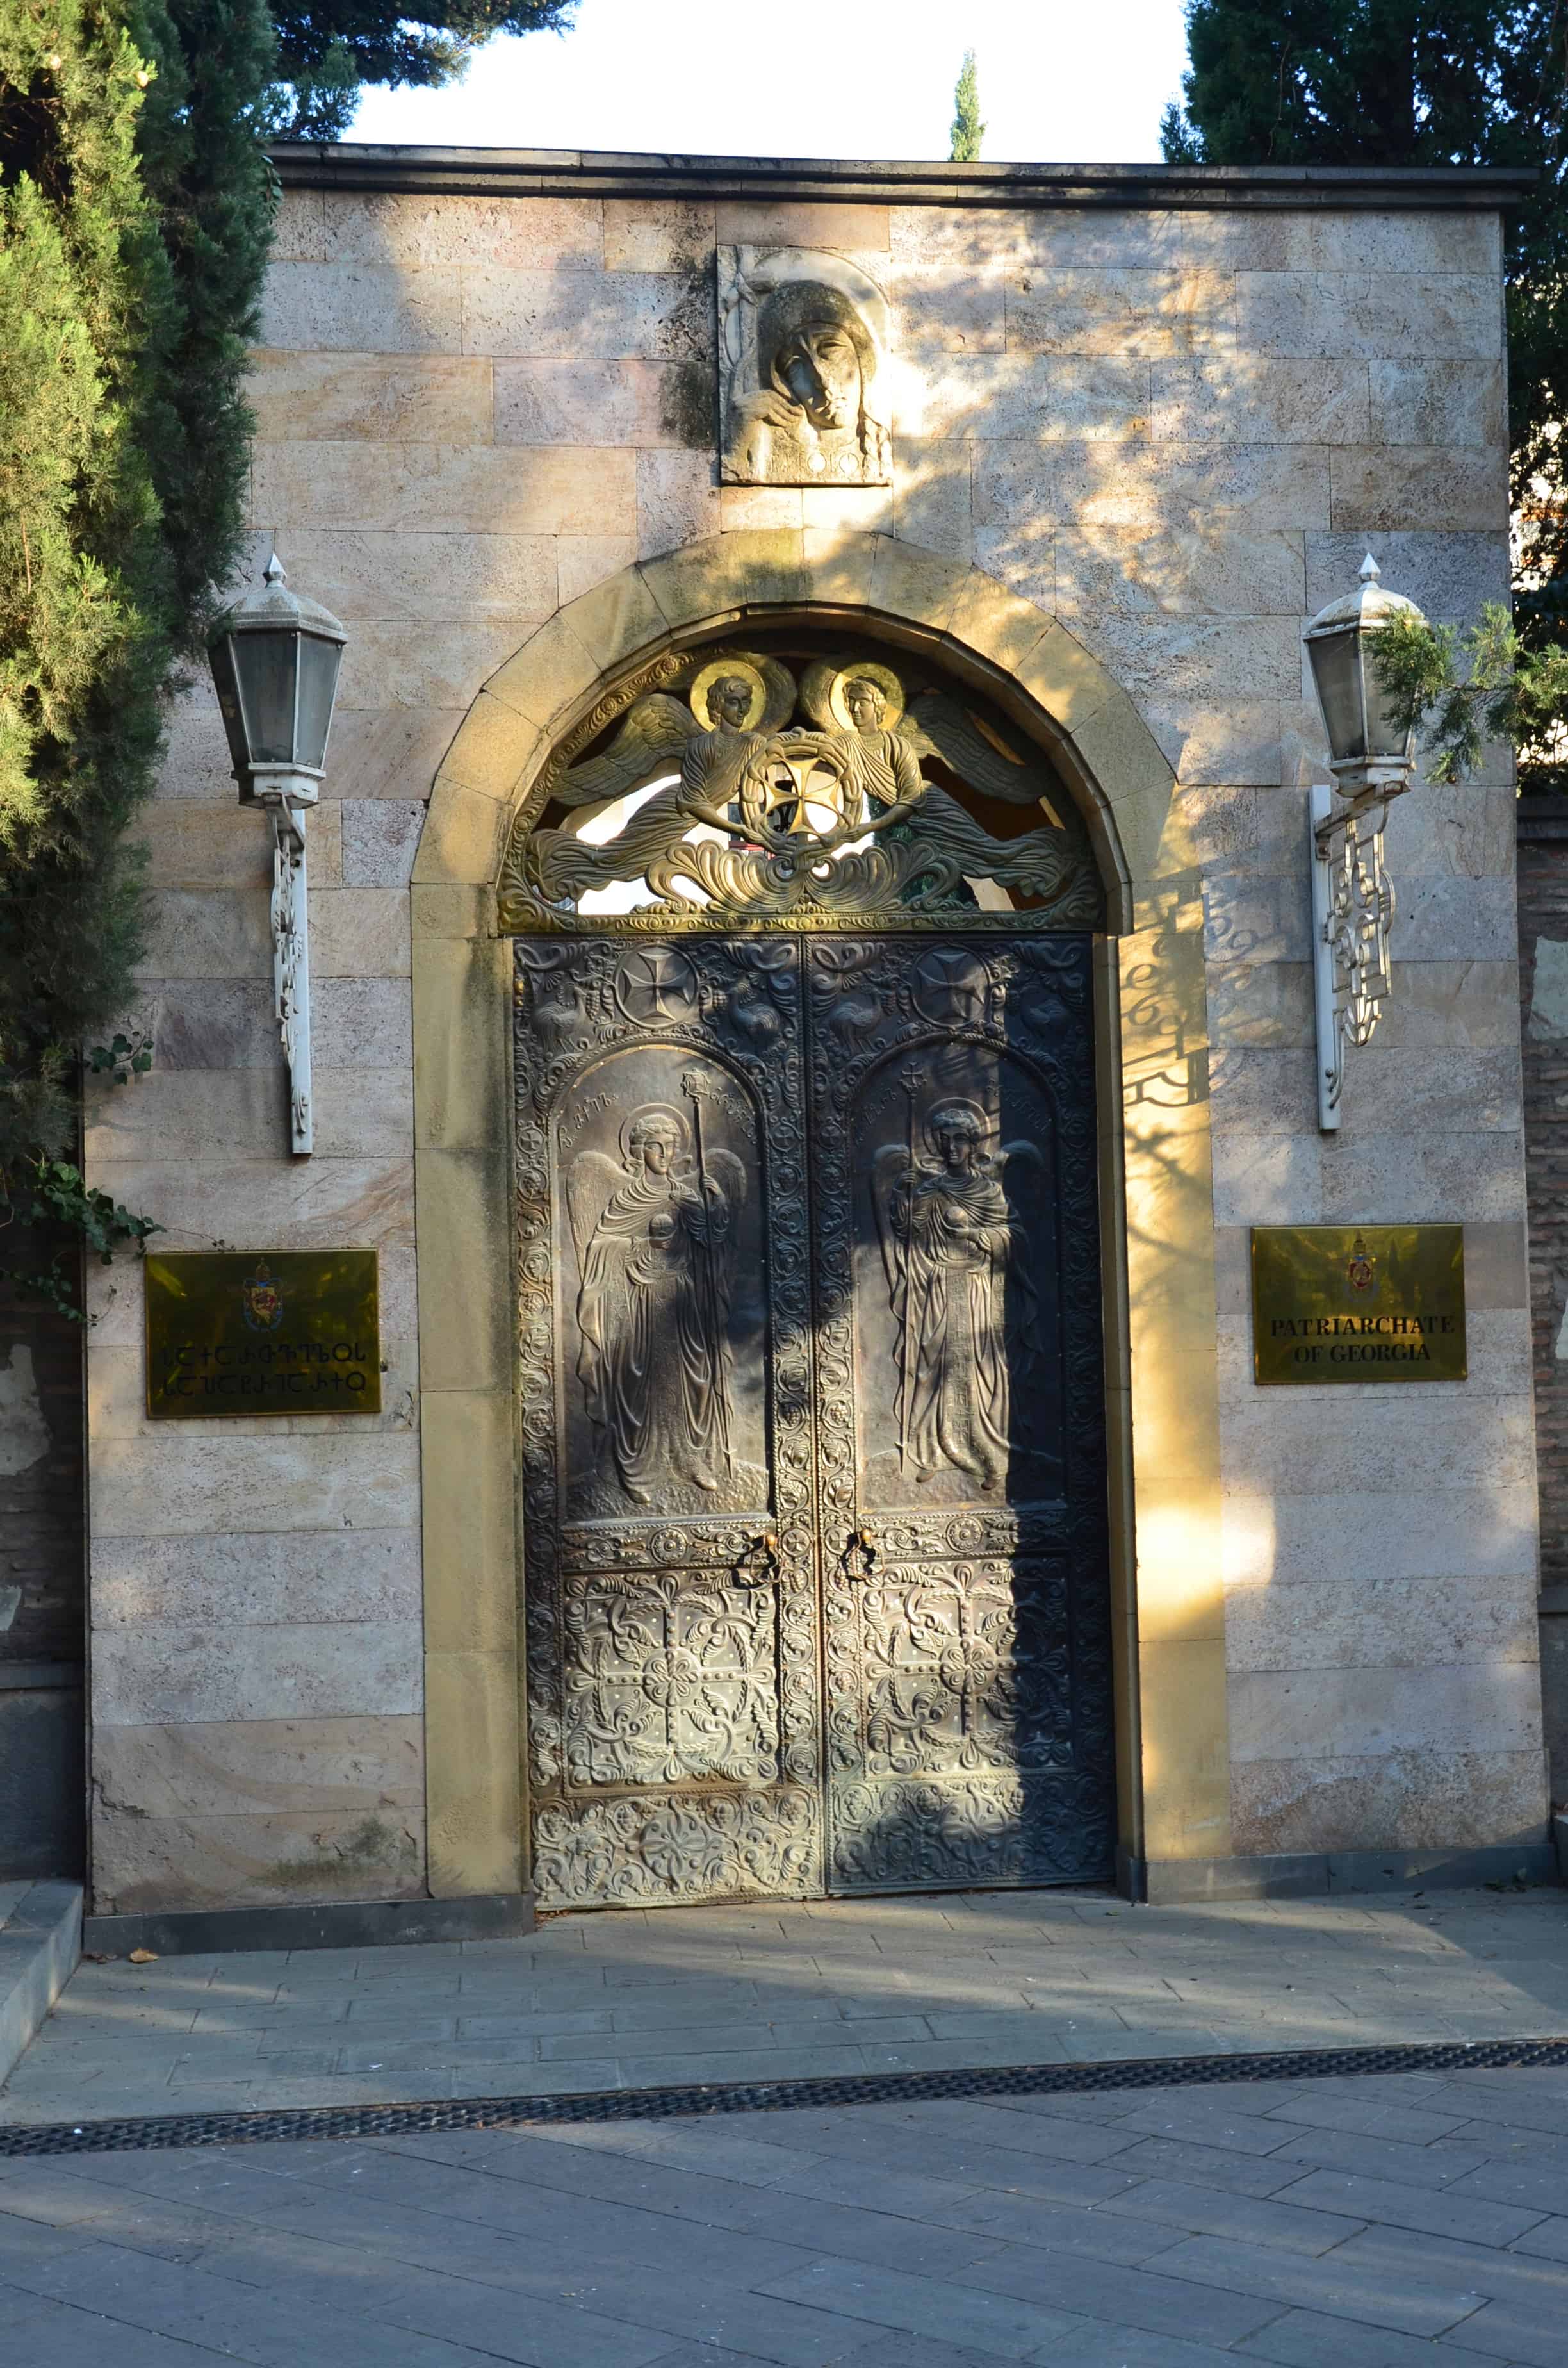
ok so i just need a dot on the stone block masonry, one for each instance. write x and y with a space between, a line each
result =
1158 417
1543 982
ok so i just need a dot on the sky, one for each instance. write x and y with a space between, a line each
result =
1060 81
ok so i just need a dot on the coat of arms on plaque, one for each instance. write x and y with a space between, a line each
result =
1360 1271
261 1300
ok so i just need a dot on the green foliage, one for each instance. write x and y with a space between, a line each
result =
126 1058
327 48
968 130
1464 689
85 587
207 175
1422 83
135 210
52 1198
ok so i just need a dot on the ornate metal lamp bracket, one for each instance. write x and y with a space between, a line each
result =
1371 755
1353 910
291 969
275 663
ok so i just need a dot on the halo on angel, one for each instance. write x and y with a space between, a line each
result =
634 1131
825 686
958 1110
772 692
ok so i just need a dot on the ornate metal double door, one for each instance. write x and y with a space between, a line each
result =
812 1415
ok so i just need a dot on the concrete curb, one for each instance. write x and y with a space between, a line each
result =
326 1924
38 1949
1167 1883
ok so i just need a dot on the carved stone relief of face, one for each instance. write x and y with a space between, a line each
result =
803 336
818 367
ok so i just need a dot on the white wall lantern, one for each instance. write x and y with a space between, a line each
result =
1372 761
275 659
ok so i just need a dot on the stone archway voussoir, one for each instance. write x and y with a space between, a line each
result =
729 578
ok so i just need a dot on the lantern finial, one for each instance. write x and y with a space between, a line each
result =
275 573
1371 571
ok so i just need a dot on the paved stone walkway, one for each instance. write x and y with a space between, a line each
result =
634 2000
1365 2223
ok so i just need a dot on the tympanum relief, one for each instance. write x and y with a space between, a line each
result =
802 343
749 786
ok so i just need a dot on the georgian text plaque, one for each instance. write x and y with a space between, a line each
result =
1358 1303
241 1333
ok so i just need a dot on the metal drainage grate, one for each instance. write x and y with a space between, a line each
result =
165 2130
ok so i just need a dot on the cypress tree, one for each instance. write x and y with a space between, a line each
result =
136 204
135 209
968 130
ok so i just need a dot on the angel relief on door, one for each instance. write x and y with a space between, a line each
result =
661 1309
952 1246
955 1301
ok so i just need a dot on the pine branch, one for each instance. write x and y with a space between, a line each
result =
1458 691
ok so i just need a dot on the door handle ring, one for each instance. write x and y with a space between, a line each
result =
746 1572
863 1542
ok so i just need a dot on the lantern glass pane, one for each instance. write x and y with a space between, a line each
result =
319 661
1383 737
1336 671
266 663
222 654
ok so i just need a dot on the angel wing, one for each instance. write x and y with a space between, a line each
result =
890 1173
1018 1165
565 865
592 1181
729 1175
655 732
937 725
1041 862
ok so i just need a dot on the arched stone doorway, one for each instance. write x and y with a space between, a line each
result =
867 1698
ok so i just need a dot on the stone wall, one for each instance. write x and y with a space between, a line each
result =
1177 432
43 1568
1544 980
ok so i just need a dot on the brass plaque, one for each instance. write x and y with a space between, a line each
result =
1358 1303
240 1332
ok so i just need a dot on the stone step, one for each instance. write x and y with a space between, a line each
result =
40 1940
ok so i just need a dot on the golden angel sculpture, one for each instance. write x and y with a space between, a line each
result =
717 804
